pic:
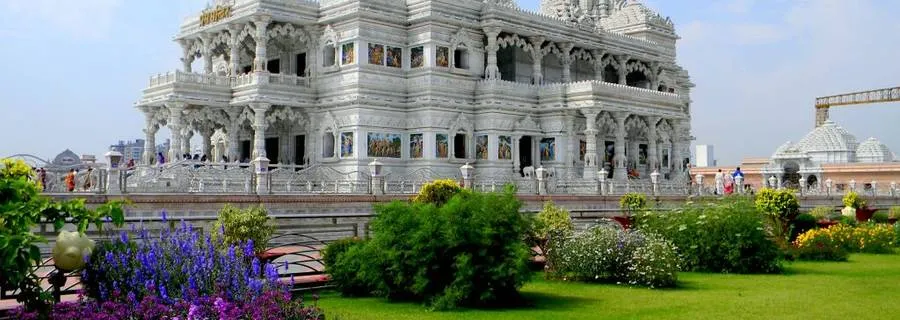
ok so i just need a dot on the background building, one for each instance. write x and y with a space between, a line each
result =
705 156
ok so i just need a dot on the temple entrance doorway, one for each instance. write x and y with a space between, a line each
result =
525 153
791 177
272 150
245 151
812 181
299 149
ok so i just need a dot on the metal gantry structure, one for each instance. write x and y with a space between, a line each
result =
823 104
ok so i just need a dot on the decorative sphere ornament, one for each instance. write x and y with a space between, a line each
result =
70 250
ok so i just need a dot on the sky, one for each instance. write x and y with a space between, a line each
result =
73 69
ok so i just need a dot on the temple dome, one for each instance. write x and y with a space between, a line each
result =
788 150
829 143
66 158
634 13
873 151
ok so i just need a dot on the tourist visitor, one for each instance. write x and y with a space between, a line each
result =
203 158
720 182
729 184
130 165
42 177
70 180
88 180
737 172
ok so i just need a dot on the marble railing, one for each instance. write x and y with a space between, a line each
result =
187 77
594 86
227 81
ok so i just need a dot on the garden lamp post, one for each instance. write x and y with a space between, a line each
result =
467 170
69 254
893 189
828 184
113 178
541 174
654 179
601 176
377 177
699 179
874 188
802 185
852 184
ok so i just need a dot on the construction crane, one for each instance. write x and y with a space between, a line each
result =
863 97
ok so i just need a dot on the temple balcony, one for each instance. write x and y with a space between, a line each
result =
215 90
612 95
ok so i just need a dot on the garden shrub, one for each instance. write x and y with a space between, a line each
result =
552 221
802 223
897 234
845 220
438 192
237 226
22 208
874 238
612 255
467 252
724 236
824 213
880 217
779 207
633 203
333 250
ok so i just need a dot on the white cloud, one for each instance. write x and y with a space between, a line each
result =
81 19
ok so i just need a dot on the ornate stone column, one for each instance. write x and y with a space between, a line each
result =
207 52
565 59
186 134
259 128
652 157
515 153
234 54
536 56
261 38
590 137
598 63
207 133
187 56
150 129
623 61
175 124
312 48
654 79
491 71
677 161
571 150
232 130
620 172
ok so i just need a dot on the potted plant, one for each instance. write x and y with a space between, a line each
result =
893 214
630 203
824 216
862 211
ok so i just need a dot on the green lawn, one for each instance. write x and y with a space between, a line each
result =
866 287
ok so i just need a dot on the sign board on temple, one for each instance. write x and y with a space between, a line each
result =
214 15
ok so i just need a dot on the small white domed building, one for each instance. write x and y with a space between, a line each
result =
828 152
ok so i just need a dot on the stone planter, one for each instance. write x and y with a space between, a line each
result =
826 223
625 221
864 214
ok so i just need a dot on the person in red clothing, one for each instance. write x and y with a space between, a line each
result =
70 180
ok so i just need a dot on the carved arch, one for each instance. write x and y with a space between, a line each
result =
639 66
329 36
515 41
581 54
606 124
636 127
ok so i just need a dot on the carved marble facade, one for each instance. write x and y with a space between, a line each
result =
430 84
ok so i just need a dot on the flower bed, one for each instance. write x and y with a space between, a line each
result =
834 243
179 274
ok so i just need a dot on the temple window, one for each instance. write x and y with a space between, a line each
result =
506 62
300 62
461 58
459 146
274 66
610 74
328 55
247 69
328 145
637 79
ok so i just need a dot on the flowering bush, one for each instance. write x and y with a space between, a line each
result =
723 236
874 238
821 244
438 192
633 202
552 221
612 255
237 226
